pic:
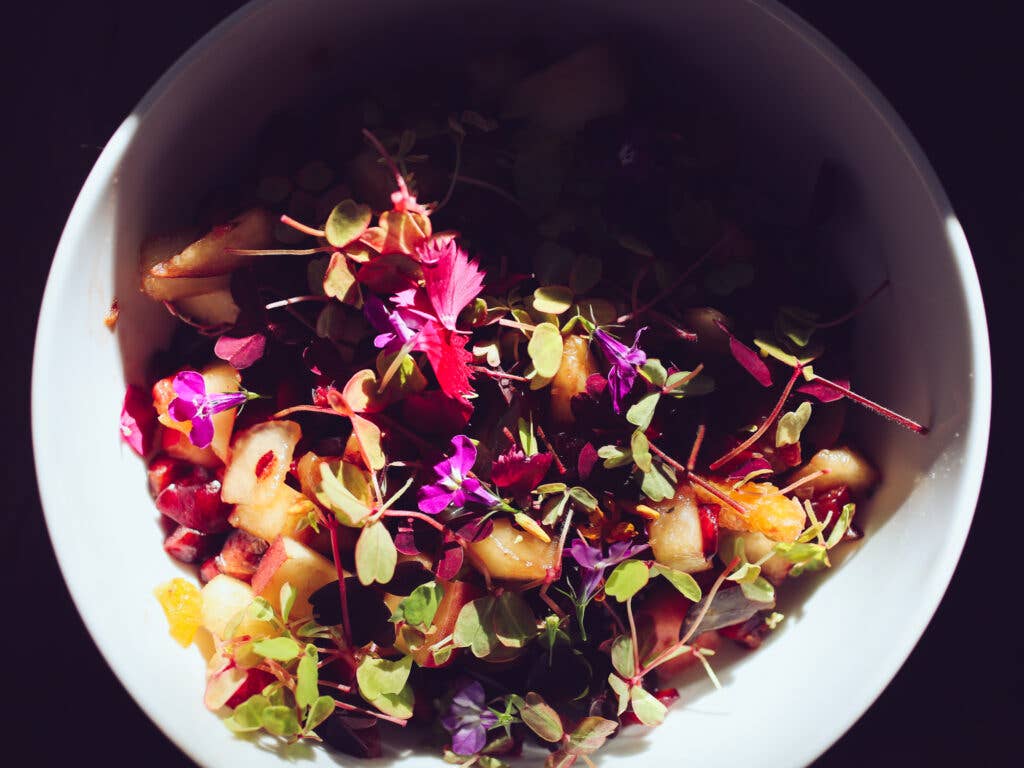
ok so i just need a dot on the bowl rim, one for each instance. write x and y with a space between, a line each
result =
979 411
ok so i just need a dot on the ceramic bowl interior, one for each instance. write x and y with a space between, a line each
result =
794 102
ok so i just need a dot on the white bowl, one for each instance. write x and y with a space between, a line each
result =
922 349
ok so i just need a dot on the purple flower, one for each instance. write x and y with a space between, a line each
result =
593 562
624 361
455 486
468 720
392 329
195 405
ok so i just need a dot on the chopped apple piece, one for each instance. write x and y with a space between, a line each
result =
578 363
677 539
513 555
219 377
845 466
225 600
159 249
260 459
213 254
778 517
216 309
290 561
278 517
177 445
755 546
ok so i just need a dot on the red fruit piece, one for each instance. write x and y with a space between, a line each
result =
708 516
189 546
241 555
790 454
831 502
749 633
667 696
194 502
208 570
164 470
255 681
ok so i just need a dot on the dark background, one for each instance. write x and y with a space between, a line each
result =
952 70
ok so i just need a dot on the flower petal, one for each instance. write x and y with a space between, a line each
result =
452 280
189 385
434 499
201 433
182 409
469 739
464 456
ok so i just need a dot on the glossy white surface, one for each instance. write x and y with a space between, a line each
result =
922 349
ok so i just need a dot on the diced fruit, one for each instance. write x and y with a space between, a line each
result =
182 603
241 554
578 363
224 677
218 377
278 517
158 249
208 570
750 633
260 459
189 546
177 445
216 309
456 595
513 555
845 467
289 561
829 506
213 253
778 517
195 502
164 470
255 681
677 535
224 604
755 546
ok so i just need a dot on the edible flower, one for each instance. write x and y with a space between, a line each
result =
455 486
468 720
593 562
624 361
516 474
194 404
392 330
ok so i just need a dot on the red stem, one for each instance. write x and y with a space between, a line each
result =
306 409
871 405
332 527
764 427
304 228
497 374
698 480
697 441
379 715
547 444
418 515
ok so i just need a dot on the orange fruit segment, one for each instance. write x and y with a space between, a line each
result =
181 602
778 517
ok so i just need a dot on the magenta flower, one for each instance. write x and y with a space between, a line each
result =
455 486
468 720
593 562
195 405
624 361
393 331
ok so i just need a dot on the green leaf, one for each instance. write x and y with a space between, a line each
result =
640 449
341 283
378 677
280 720
774 619
585 274
321 708
545 349
376 555
473 627
805 556
760 590
683 582
277 648
442 654
583 497
261 610
622 656
547 488
654 372
628 578
701 384
647 709
621 689
405 376
770 349
614 456
552 299
346 222
514 622
541 718
312 629
656 486
420 607
395 704
556 511
791 424
796 325
248 716
642 411
590 735
288 594
842 525
332 493
307 677
527 439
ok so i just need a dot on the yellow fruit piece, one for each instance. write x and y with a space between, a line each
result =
181 602
778 517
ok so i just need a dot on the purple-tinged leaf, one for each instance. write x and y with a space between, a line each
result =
748 358
747 468
449 558
242 351
823 393
585 464
138 420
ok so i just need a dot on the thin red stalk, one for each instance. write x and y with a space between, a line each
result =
764 427
685 380
697 441
379 715
675 283
696 479
551 449
296 300
871 405
418 515
332 527
855 311
555 607
399 178
497 374
337 686
304 228
307 409
508 433
677 329
802 481
279 251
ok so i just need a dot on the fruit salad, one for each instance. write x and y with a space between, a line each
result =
491 414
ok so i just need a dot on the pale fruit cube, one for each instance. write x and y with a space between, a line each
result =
845 467
260 458
289 561
278 517
578 363
513 555
676 537
225 603
214 253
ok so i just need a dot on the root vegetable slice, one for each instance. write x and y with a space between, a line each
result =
260 458
213 253
513 555
677 540
845 466
578 363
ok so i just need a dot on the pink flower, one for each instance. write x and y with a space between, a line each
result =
455 486
624 361
195 405
452 280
